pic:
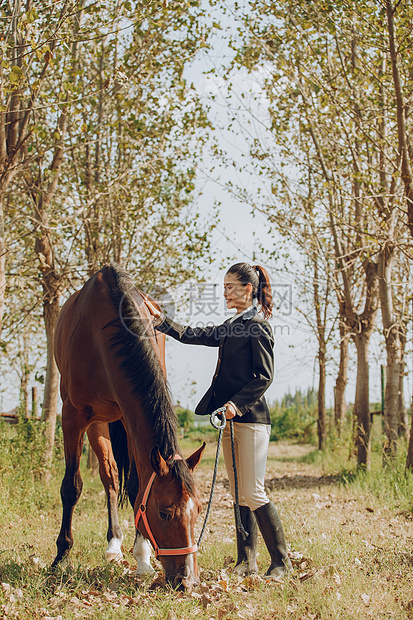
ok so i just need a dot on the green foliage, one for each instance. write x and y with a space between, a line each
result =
22 448
192 429
294 417
185 418
117 133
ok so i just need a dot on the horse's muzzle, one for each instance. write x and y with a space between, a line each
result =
187 576
181 582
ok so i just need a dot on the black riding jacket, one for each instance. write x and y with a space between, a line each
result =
245 366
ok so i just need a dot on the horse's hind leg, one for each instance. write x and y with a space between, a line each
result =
99 438
71 488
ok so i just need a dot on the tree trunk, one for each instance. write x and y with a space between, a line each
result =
24 380
362 401
51 283
320 305
24 394
51 388
322 418
391 403
402 419
409 460
2 258
341 381
391 330
34 402
406 169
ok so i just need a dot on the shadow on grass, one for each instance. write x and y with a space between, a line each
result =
310 458
47 580
300 481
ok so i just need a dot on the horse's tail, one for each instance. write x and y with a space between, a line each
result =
120 450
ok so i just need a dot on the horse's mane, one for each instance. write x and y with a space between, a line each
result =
132 344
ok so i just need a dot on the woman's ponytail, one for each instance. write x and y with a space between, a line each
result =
264 293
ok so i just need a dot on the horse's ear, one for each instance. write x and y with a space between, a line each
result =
160 466
193 460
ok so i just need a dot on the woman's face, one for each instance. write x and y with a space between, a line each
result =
236 294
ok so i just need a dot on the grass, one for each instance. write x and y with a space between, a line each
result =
350 535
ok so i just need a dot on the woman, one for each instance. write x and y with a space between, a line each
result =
244 372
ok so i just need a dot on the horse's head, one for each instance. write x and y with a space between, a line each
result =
172 506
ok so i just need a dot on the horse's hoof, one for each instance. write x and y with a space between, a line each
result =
143 569
114 551
60 562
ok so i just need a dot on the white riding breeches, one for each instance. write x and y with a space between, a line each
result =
251 451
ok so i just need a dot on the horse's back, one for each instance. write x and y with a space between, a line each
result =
85 328
80 340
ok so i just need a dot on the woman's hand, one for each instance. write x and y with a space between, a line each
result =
158 317
230 411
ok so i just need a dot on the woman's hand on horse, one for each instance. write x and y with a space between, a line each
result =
230 411
155 312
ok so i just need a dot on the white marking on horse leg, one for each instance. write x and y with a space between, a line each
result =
114 550
142 555
189 565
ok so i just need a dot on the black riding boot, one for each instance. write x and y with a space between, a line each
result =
247 549
272 532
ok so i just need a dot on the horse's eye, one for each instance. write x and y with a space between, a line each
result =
166 516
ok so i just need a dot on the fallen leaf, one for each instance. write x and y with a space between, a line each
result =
205 600
224 585
93 592
227 609
251 582
114 586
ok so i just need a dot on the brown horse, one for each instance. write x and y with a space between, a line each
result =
109 362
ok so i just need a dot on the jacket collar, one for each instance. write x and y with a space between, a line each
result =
246 316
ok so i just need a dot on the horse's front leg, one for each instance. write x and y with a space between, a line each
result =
141 548
71 488
99 438
142 555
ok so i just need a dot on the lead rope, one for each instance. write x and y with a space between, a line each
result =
240 527
218 421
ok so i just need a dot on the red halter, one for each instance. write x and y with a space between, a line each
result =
142 513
